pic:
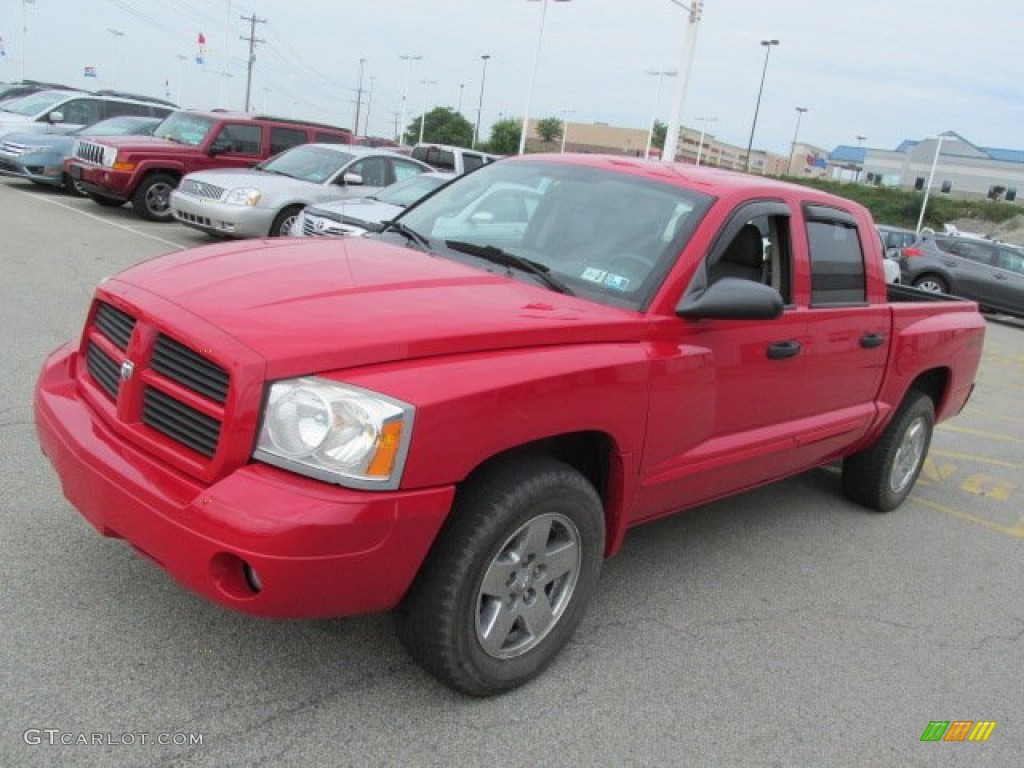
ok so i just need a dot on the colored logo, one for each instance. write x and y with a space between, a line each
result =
958 730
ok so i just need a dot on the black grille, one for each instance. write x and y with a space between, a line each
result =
104 370
180 422
115 324
190 369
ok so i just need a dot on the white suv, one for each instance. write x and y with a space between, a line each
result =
65 111
457 160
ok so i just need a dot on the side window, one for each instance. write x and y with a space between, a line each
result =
374 171
236 138
837 263
471 162
118 108
759 250
285 138
405 170
1012 261
80 111
982 254
328 138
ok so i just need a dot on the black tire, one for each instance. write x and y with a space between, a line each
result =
152 198
74 187
509 578
106 202
932 284
881 476
283 221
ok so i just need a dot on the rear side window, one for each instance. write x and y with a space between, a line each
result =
240 139
329 138
471 162
837 261
285 138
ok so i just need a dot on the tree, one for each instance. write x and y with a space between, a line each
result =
549 129
660 130
443 125
505 136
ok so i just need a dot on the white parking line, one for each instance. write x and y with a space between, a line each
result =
100 219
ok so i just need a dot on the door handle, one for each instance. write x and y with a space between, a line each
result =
783 349
871 340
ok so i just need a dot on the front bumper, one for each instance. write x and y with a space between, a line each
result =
221 218
260 540
36 168
105 182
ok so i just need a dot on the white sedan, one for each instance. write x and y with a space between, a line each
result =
265 200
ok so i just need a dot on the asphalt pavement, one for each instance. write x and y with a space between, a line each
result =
783 627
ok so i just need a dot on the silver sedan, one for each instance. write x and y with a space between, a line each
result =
265 200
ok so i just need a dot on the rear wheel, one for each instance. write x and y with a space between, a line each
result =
932 284
508 579
881 476
152 199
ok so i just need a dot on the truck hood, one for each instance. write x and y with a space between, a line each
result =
147 144
315 305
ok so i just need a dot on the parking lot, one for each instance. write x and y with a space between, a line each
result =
784 627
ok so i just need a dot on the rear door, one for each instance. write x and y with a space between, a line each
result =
847 338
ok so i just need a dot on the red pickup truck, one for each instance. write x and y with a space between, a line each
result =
461 416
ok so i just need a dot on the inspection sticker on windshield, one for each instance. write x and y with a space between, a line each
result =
615 282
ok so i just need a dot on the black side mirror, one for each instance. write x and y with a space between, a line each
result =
733 298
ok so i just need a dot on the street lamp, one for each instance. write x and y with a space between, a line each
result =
662 74
408 59
480 108
423 116
792 150
931 176
694 10
533 72
703 130
116 33
565 127
767 50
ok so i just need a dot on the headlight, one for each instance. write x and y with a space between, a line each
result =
109 156
243 196
335 432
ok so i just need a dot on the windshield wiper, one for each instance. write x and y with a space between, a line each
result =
503 258
407 232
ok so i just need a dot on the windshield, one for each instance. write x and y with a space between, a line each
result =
36 103
605 235
308 162
184 128
407 192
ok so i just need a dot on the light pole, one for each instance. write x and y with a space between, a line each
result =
750 144
662 74
565 127
703 130
359 97
423 116
369 103
408 59
792 150
24 33
675 117
931 177
480 108
116 33
533 73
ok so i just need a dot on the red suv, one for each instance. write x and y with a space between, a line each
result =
144 169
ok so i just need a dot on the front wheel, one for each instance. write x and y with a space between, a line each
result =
508 579
881 476
74 186
282 226
152 199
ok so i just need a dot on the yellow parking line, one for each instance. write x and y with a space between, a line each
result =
978 459
1016 531
979 433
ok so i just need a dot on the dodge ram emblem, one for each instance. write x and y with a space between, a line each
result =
127 369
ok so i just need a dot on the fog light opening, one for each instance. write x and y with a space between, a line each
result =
252 579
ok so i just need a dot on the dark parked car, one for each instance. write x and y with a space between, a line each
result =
987 272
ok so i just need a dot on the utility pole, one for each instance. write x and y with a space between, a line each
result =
369 103
359 97
252 40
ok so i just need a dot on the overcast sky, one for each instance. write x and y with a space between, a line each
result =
881 69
